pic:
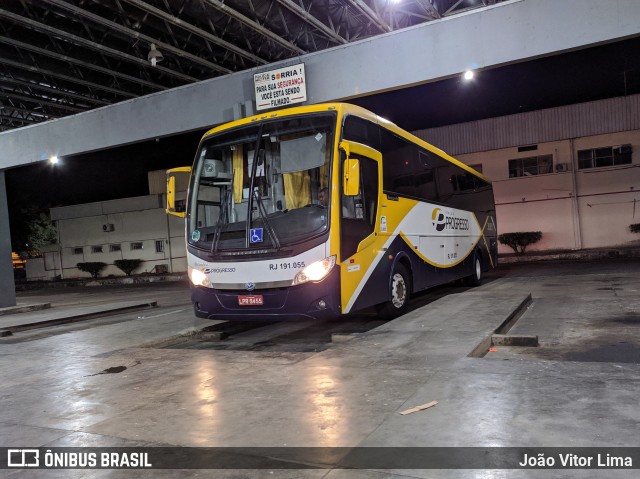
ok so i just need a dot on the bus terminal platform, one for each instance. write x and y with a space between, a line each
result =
127 379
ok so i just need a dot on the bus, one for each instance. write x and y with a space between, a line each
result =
323 210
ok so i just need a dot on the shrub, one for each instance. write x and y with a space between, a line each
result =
519 241
127 266
93 268
635 228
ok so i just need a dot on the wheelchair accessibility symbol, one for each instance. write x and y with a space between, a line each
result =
255 235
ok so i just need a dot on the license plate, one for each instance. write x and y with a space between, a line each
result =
255 300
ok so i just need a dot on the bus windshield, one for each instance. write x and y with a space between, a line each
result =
276 170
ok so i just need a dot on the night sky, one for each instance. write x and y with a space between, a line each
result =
575 77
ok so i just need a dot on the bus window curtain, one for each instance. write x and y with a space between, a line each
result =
238 170
324 176
297 192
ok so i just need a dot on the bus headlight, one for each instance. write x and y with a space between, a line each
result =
315 271
198 278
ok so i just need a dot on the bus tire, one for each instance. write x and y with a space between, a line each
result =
475 279
399 292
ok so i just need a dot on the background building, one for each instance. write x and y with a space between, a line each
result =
128 228
571 172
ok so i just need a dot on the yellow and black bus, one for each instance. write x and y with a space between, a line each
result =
323 210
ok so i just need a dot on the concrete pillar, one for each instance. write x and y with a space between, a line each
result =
7 284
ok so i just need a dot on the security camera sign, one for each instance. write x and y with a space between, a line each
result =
281 87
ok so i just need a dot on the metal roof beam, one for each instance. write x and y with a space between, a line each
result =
137 35
370 14
90 44
311 20
75 61
56 91
196 31
42 71
429 9
26 111
21 120
37 100
221 6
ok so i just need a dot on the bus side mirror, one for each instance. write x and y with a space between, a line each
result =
351 177
172 174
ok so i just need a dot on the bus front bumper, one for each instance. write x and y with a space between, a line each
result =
305 301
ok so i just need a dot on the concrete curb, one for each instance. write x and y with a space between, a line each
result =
89 282
481 349
27 308
579 255
72 318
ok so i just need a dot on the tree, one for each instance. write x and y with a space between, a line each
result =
37 231
93 268
127 266
519 241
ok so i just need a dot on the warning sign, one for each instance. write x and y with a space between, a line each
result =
280 87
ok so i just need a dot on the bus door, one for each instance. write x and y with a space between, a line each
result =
359 220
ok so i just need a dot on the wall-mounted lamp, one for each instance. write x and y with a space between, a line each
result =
154 55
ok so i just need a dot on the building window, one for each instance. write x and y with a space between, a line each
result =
534 165
114 248
96 249
609 156
136 245
160 246
77 251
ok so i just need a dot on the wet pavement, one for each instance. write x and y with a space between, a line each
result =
120 380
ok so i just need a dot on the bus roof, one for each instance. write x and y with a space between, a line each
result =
344 108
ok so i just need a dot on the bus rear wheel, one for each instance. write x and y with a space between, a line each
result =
475 279
399 291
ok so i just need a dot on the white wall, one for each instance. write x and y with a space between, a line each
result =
589 208
140 221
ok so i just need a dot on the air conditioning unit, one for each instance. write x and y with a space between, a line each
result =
107 227
560 167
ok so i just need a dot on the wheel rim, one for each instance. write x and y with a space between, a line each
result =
478 270
398 291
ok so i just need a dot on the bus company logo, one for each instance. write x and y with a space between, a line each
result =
218 270
441 221
250 286
438 219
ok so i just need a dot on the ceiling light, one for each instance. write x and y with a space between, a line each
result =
468 75
54 160
154 55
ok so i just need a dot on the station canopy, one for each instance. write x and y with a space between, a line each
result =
58 58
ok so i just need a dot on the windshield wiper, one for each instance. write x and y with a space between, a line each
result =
267 226
223 214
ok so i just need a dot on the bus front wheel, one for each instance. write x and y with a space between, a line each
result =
399 291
